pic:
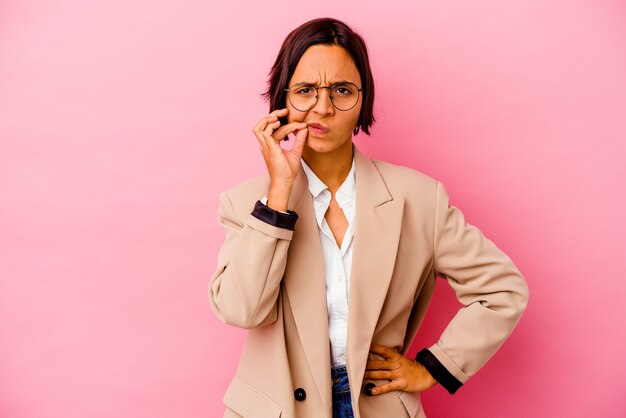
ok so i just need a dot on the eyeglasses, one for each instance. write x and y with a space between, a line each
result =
344 96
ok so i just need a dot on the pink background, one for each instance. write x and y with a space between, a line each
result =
121 121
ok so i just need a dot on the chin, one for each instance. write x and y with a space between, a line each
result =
320 147
322 144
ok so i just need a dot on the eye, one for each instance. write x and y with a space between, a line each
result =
305 91
343 90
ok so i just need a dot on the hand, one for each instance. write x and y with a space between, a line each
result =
282 164
405 374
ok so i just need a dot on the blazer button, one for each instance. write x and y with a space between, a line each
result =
299 394
368 389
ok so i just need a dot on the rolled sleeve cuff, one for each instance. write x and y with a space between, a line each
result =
438 371
286 220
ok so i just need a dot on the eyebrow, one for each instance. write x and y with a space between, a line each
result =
310 83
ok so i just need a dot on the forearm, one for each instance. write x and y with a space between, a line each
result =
244 288
491 289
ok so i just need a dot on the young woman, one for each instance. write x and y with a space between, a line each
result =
330 260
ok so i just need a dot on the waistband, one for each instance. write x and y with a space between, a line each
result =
338 371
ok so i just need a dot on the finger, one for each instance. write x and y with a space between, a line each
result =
378 365
273 116
384 351
379 374
387 387
272 141
267 132
276 113
261 137
284 130
262 124
269 129
298 145
279 112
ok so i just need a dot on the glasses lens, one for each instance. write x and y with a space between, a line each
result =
303 98
345 96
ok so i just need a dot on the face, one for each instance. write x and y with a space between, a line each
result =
324 65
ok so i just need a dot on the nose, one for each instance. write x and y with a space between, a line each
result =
323 106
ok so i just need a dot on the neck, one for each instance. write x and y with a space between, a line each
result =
331 167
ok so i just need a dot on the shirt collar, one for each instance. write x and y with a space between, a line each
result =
347 188
317 186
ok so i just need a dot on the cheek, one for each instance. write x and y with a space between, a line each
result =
356 115
294 115
352 118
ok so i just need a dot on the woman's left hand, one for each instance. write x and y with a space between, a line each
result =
405 374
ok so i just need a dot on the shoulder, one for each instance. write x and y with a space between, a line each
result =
420 192
405 181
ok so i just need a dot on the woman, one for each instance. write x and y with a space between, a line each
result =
330 260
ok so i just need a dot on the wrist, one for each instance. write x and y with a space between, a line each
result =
278 197
427 380
438 371
431 380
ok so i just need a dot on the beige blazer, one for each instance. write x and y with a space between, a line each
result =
270 280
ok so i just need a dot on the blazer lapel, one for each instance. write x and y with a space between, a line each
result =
376 236
305 285
377 227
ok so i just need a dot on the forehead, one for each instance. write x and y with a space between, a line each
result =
326 64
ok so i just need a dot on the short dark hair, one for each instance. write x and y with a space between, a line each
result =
324 31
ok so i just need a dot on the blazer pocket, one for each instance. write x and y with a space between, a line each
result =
412 403
248 402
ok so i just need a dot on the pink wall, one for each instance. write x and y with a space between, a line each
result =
121 121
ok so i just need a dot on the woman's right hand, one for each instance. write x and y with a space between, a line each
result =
282 164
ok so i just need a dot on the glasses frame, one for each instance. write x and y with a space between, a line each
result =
317 93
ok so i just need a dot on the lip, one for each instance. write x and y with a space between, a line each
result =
318 128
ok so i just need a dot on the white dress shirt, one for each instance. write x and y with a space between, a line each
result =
337 261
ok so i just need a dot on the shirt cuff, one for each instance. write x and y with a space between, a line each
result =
264 201
273 217
438 371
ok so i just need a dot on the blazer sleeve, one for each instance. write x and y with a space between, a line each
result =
492 290
243 291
